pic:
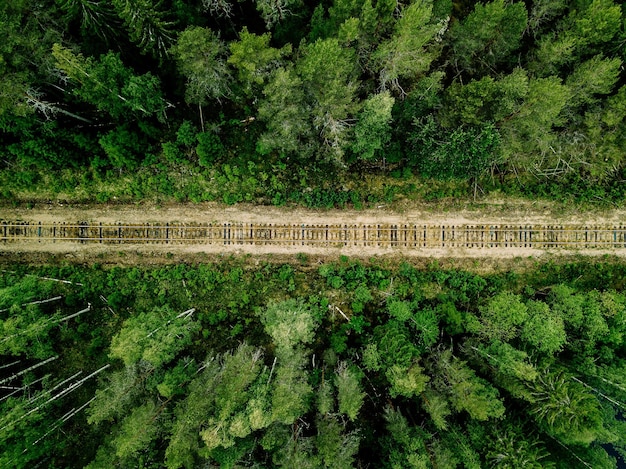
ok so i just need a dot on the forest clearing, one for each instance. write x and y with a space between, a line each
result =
361 233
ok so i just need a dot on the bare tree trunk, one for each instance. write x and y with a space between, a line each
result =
64 419
10 364
271 371
23 388
67 318
16 375
40 302
45 278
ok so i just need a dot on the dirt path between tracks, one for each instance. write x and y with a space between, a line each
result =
493 212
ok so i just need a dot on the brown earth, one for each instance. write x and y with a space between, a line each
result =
490 212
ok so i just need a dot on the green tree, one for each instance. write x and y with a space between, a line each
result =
349 394
336 447
592 78
328 75
26 330
28 29
200 55
484 100
116 393
146 25
220 406
596 22
464 390
124 147
210 149
501 318
291 391
528 136
604 127
285 114
543 329
466 152
437 407
155 337
407 382
543 12
137 430
373 128
98 17
511 447
275 11
111 86
488 36
565 409
405 55
254 59
406 446
190 415
289 323
583 32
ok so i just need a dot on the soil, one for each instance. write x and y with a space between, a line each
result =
491 212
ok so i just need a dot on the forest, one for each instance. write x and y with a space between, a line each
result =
315 103
336 365
331 362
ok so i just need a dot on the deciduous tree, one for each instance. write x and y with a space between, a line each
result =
201 58
373 128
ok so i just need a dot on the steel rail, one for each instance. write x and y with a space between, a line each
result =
413 235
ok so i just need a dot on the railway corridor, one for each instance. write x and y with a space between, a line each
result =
356 236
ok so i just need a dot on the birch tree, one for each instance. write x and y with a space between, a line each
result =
110 86
154 337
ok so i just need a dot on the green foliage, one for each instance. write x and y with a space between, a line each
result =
111 86
544 329
406 382
289 323
336 447
501 318
464 389
508 96
146 25
373 129
210 149
328 74
137 430
565 409
485 100
123 147
596 76
200 57
26 331
350 397
155 337
463 153
406 444
284 112
510 448
536 376
489 34
290 390
254 59
404 55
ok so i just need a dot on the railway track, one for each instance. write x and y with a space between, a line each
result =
386 235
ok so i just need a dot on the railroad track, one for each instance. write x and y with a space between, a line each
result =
386 235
